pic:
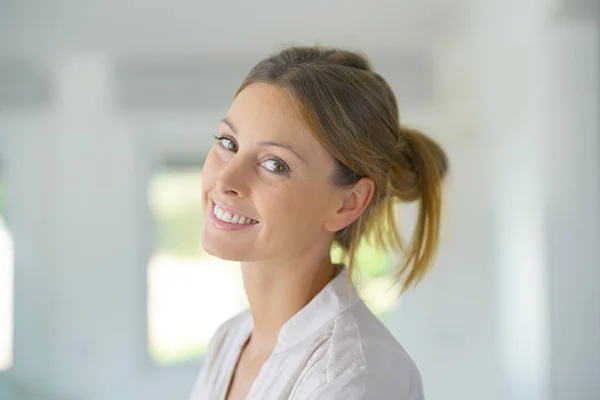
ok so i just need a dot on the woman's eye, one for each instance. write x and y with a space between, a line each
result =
276 166
227 143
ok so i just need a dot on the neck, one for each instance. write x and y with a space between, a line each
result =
278 290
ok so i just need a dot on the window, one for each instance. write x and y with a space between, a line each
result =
6 286
190 293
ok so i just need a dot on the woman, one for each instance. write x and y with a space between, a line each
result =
311 154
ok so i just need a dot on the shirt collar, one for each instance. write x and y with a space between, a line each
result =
337 296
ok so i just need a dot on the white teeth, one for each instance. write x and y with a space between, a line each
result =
232 218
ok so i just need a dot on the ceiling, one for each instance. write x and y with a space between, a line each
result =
190 26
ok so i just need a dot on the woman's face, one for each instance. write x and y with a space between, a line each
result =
267 180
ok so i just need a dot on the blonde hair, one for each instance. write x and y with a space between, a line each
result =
353 113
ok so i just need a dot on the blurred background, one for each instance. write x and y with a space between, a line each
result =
107 110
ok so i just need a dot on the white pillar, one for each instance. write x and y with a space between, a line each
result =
509 49
541 98
481 317
570 101
79 309
23 150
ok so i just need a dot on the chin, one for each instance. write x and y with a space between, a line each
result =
224 251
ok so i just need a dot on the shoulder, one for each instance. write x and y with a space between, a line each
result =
360 359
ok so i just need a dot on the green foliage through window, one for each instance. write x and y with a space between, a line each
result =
176 203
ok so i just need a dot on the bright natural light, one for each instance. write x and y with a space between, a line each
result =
6 290
190 293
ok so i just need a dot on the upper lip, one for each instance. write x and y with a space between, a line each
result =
231 210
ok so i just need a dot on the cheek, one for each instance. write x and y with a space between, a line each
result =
302 207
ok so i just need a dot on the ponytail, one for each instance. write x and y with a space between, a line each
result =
416 174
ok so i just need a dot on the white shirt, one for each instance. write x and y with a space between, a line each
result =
333 348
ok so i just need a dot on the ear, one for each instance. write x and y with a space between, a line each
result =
354 201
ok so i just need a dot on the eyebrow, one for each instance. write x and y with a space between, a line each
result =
229 124
264 143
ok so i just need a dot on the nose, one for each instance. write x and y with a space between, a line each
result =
234 178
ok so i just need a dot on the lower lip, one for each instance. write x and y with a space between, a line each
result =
226 226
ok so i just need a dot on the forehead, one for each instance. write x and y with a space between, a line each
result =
263 106
265 112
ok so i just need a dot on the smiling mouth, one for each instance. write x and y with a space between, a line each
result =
231 218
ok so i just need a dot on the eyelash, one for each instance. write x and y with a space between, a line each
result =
220 138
